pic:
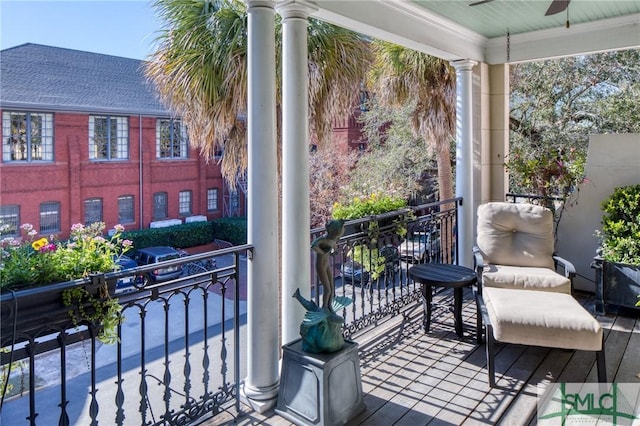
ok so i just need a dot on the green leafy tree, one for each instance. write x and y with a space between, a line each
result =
556 105
200 70
328 174
395 162
399 75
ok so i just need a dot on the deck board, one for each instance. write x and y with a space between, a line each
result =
413 378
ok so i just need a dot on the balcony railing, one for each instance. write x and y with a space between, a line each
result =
177 358
178 355
374 255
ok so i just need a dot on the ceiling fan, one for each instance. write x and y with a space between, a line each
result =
556 6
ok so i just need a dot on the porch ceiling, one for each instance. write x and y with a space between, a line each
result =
454 30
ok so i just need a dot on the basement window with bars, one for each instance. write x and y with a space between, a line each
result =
125 209
92 210
108 138
160 205
49 217
9 221
184 203
27 136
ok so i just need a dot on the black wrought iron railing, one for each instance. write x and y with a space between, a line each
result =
373 257
178 355
177 358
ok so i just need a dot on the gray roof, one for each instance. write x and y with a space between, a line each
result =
37 77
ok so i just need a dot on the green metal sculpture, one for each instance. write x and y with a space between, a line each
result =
321 329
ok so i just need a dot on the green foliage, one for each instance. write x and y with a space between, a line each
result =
101 309
31 262
191 234
545 171
232 229
396 162
621 226
370 259
180 236
330 170
556 104
368 255
372 205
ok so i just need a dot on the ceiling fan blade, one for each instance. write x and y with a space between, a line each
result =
557 6
478 3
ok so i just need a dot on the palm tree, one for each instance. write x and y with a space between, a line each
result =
200 70
400 75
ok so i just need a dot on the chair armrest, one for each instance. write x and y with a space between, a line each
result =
478 263
569 269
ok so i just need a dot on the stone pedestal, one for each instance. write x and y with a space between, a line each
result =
320 389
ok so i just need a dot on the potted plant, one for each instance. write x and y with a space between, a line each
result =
618 261
383 222
48 285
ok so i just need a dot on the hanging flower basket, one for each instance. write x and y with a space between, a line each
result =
35 299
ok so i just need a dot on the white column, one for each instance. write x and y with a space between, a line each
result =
295 166
464 159
260 387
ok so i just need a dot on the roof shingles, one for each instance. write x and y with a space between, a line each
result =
53 78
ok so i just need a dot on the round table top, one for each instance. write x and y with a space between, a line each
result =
443 274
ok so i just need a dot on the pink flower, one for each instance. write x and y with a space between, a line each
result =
119 228
77 227
48 248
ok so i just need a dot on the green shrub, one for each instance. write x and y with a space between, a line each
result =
232 229
180 236
369 206
621 226
191 234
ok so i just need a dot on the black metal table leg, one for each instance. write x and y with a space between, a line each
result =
457 311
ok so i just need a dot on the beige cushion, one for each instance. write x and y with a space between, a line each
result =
526 278
515 234
541 318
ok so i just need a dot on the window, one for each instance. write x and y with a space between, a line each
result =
125 209
171 139
212 199
92 210
9 221
27 136
108 138
49 217
160 208
184 203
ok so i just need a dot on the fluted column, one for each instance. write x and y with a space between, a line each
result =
260 387
464 159
295 166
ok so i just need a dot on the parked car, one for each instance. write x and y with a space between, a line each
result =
420 248
353 271
125 284
151 255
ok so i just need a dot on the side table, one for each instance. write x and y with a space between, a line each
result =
448 276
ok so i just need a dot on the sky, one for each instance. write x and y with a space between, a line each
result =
124 28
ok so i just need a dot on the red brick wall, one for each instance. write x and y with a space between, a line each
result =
73 178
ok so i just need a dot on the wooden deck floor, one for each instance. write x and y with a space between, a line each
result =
412 378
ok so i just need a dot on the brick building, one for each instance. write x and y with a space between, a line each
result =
85 139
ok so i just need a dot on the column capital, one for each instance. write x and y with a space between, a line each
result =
295 8
260 3
463 64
